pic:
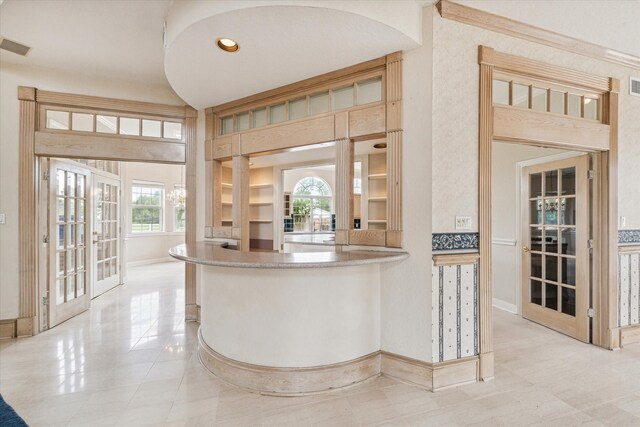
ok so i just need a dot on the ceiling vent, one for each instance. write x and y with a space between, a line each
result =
634 86
14 47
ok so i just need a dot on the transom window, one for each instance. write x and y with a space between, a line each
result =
312 186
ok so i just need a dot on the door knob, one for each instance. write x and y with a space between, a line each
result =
525 249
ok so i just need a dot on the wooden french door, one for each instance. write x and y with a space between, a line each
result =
68 225
555 252
106 234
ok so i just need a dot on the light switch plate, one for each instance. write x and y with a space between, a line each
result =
463 223
2 218
623 222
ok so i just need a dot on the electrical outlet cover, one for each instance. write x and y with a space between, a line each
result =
463 223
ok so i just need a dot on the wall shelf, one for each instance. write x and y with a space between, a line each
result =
377 176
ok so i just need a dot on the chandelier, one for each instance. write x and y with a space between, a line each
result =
178 197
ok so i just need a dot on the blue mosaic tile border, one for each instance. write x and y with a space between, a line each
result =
629 237
454 241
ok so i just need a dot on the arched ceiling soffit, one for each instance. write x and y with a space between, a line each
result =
281 43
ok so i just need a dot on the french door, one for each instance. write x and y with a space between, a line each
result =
68 224
555 252
106 234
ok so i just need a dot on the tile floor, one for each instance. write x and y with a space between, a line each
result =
130 361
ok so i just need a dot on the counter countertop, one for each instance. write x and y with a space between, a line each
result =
213 253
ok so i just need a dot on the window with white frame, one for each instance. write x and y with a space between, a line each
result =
147 208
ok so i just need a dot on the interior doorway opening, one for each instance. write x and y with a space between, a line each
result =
543 235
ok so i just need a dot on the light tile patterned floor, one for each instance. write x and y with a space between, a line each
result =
129 361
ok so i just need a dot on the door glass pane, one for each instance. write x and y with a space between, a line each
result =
536 265
61 236
61 182
106 124
113 267
551 183
114 193
80 260
536 292
557 102
82 122
569 301
71 184
106 196
60 291
107 272
569 241
520 95
569 181
81 182
60 264
71 287
71 209
569 212
569 271
81 210
297 108
80 283
590 108
535 212
535 185
536 239
500 92
60 209
99 274
71 261
551 296
99 250
551 267
72 235
551 240
539 99
551 211
574 102
319 103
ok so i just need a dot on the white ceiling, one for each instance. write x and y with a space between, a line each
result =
279 44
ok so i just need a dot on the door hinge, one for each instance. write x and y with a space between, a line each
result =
591 174
590 312
45 238
45 300
45 175
590 243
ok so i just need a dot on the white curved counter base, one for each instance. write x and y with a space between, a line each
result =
288 323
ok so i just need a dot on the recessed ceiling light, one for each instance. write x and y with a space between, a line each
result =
227 44
380 145
15 47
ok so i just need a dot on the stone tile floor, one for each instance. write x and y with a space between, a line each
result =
130 361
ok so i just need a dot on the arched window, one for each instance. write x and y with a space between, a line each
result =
312 205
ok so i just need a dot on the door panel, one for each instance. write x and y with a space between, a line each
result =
106 234
555 252
68 241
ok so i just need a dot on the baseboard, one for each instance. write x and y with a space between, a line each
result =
272 381
192 313
629 335
150 261
505 306
25 326
8 328
431 376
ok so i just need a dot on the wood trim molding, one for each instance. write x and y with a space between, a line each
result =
98 102
191 165
108 148
510 27
629 335
633 249
344 186
610 213
8 328
327 378
455 259
513 124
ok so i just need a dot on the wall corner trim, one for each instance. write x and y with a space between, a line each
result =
26 93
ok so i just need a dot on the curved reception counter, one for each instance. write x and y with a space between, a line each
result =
289 323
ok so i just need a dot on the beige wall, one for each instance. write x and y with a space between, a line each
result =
12 76
455 118
147 247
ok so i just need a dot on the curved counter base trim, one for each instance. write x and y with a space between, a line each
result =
289 381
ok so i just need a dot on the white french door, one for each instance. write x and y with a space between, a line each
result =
105 235
555 252
68 216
